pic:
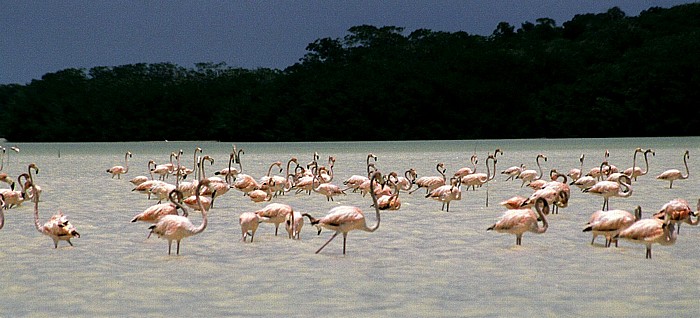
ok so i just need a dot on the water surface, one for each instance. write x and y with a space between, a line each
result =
421 261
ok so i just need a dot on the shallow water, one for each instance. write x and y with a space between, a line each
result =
420 262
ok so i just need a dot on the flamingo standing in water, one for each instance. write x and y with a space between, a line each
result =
530 175
178 227
431 182
355 181
608 189
461 172
635 171
120 170
141 179
344 218
447 193
519 221
275 213
576 173
610 223
249 222
58 227
680 212
650 231
675 174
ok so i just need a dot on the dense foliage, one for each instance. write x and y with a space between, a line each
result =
597 75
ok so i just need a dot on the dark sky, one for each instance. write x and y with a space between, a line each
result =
39 37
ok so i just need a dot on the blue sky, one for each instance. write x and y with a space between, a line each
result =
39 37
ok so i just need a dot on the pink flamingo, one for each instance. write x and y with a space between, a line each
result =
120 170
650 231
447 193
344 218
610 223
178 227
675 174
679 211
275 213
249 222
461 172
58 228
431 182
608 189
519 221
530 175
635 171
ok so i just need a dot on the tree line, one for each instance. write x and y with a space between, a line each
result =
597 75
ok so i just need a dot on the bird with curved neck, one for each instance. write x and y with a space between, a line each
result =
610 223
58 227
680 212
530 175
675 174
178 227
344 218
431 182
120 170
607 189
519 221
650 231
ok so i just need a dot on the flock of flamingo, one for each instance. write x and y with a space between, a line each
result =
523 214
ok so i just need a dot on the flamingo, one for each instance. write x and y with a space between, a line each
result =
635 171
120 170
589 179
326 174
650 231
15 198
675 174
575 173
679 212
293 222
275 213
276 183
344 218
406 182
608 189
614 176
519 221
447 193
263 194
513 172
514 202
58 227
461 172
529 175
249 222
610 223
29 191
141 179
354 181
163 170
155 212
328 189
431 182
391 201
478 179
178 227
597 172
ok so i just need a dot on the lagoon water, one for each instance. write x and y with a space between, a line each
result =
420 262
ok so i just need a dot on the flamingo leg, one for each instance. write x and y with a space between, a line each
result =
648 251
170 243
345 236
329 240
178 247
